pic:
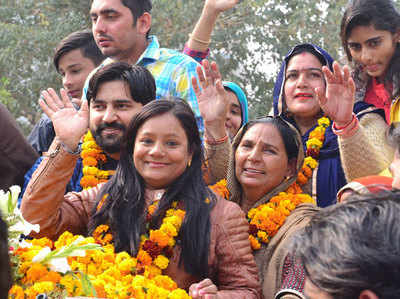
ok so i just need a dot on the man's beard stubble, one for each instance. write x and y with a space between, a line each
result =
110 144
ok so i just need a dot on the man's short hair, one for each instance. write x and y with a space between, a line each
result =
354 246
137 7
82 40
140 81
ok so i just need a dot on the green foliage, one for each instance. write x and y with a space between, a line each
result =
249 41
29 32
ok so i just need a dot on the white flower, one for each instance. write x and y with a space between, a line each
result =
15 191
41 255
24 227
59 265
4 203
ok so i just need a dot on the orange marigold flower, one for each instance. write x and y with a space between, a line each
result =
254 243
301 178
51 276
144 258
42 242
88 181
36 272
307 171
89 161
159 237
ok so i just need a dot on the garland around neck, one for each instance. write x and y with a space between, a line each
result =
266 219
92 158
156 247
314 144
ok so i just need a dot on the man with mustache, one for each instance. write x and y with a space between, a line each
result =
116 93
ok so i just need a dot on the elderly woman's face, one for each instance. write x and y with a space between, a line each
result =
303 75
261 162
161 151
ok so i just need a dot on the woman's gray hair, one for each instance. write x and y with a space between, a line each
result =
354 246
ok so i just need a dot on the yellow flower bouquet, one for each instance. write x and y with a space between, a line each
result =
75 266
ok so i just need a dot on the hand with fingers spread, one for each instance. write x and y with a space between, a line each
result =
69 124
338 100
212 99
205 289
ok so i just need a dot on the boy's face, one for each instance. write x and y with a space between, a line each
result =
74 69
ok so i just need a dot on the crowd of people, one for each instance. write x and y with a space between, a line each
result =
299 204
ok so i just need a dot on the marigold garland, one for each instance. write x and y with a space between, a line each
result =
112 275
313 145
92 157
266 219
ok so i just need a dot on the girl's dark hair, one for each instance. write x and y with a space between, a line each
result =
382 14
288 135
124 209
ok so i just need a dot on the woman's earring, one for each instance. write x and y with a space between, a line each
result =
190 162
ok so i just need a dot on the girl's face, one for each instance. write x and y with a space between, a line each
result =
372 48
161 152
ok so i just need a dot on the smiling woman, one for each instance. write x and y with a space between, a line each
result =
308 85
265 159
370 33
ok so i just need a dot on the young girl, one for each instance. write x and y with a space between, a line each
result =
370 33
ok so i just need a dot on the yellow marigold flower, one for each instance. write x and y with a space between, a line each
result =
89 145
178 294
42 242
169 229
151 271
313 143
65 239
254 243
161 262
159 237
127 266
175 221
90 170
103 174
121 256
263 236
44 287
165 282
310 162
72 285
324 121
16 292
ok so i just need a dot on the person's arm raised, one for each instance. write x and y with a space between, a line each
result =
69 124
200 38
